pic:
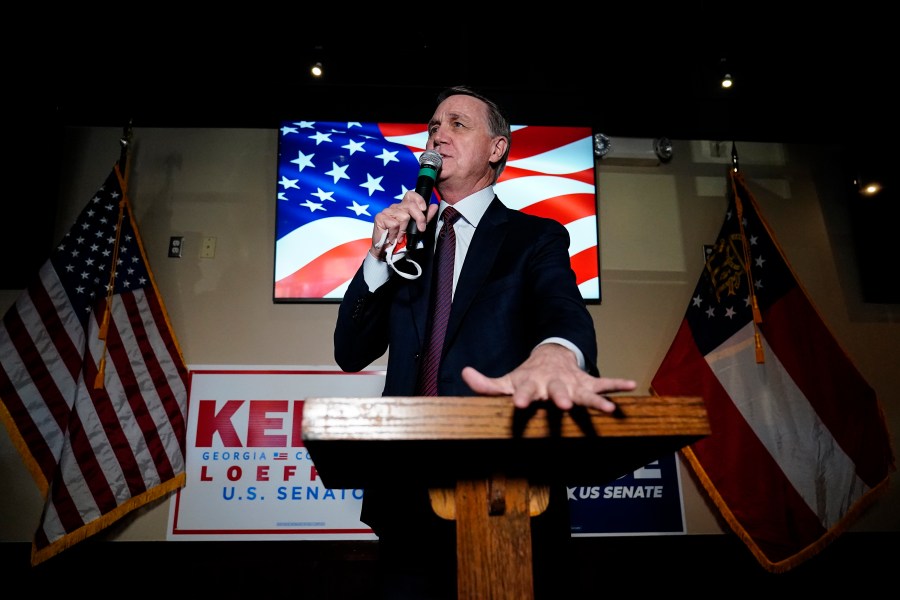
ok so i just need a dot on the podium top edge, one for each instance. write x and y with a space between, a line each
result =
385 418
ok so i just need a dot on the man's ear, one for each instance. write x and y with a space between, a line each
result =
501 144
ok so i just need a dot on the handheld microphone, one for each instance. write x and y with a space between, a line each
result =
429 164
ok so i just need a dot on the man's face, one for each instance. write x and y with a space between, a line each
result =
459 132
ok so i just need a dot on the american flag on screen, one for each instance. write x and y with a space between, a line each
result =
92 381
334 177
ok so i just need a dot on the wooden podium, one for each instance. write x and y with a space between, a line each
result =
488 465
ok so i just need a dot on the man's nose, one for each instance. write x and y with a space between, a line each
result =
437 136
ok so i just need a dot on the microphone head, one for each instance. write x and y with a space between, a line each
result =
431 158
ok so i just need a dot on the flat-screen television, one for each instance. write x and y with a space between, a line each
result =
334 177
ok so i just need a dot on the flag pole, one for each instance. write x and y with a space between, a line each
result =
751 290
125 142
121 171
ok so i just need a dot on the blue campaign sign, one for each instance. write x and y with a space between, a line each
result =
645 502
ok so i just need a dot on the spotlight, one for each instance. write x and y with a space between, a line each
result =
316 70
724 72
870 188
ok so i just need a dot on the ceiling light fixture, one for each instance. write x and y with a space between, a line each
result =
871 188
724 73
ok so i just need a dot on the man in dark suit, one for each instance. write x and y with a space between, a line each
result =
517 326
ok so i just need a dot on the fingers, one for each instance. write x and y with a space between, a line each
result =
394 219
420 212
559 393
432 212
605 385
526 390
598 402
482 384
566 390
595 396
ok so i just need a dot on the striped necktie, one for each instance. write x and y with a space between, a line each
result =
441 299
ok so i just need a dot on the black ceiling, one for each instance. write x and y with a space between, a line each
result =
796 81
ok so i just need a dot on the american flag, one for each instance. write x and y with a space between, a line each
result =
799 444
334 177
98 419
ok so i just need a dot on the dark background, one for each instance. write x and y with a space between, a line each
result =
647 70
693 566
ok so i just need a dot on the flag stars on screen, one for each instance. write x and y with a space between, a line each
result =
289 183
373 184
354 147
323 195
313 206
360 209
302 161
320 137
337 172
350 164
388 156
403 190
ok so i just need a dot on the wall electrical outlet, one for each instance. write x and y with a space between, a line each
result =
176 245
208 247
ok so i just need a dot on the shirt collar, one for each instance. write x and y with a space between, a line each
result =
473 207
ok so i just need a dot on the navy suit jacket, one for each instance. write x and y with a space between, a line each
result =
516 288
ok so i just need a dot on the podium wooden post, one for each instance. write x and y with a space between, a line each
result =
488 464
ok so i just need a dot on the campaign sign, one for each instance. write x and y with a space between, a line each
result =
249 476
645 502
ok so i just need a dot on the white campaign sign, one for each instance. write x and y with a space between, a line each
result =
249 477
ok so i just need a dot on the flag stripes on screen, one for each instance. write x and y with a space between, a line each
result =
799 444
334 177
92 381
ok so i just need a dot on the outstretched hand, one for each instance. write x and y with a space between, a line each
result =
550 373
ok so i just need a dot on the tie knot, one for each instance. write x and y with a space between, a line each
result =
450 216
